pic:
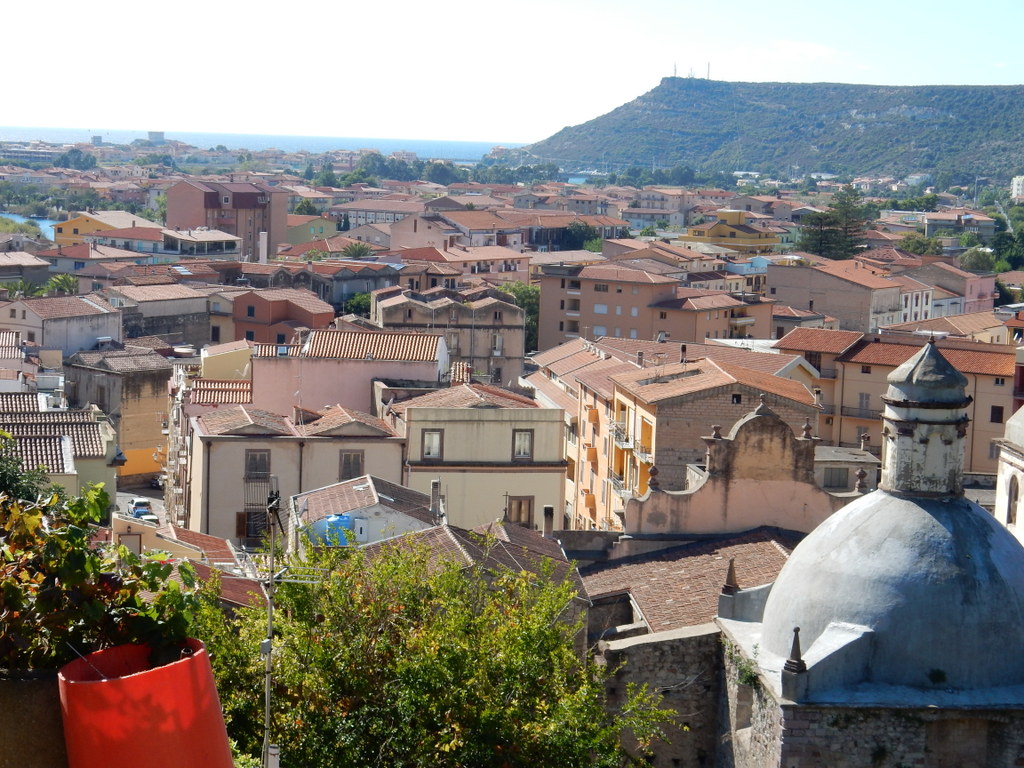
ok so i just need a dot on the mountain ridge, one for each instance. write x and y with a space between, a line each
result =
800 128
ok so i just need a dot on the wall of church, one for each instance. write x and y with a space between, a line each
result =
684 665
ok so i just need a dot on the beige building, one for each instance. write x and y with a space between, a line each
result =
497 454
854 368
237 454
484 329
73 230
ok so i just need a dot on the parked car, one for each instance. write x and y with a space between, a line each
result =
142 509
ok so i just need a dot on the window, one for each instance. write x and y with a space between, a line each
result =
257 464
663 315
864 401
215 333
634 311
250 336
433 444
601 287
79 265
31 336
351 465
600 330
520 510
772 290
996 415
14 313
837 477
280 338
737 398
522 445
250 311
1000 382
865 369
74 231
497 316
600 309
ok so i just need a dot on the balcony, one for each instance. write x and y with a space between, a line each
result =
828 373
861 413
737 322
619 486
621 437
643 453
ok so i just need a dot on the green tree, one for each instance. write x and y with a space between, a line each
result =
978 259
23 288
396 658
310 172
576 234
305 207
62 284
528 298
595 245
837 233
358 304
648 231
969 240
326 177
346 224
357 251
916 243
76 158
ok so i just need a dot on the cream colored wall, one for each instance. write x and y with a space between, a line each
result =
227 365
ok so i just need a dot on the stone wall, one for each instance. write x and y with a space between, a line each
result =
684 666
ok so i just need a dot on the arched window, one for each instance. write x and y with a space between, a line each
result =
1011 503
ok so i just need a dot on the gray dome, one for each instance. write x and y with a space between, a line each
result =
927 377
939 581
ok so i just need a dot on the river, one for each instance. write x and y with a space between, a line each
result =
46 225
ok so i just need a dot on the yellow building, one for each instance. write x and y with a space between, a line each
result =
732 231
74 230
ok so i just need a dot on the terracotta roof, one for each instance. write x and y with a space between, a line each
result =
613 273
212 547
154 233
548 356
679 587
19 402
52 452
86 439
854 272
220 391
243 420
68 306
818 340
158 292
466 396
957 325
552 392
300 297
597 377
966 356
356 345
682 379
233 589
360 493
337 416
123 360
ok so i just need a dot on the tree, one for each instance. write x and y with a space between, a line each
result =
346 224
969 240
916 243
978 259
837 233
576 234
63 284
358 304
23 288
326 177
648 231
357 251
397 658
310 172
305 207
526 297
596 245
75 158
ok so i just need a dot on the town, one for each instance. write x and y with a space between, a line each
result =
717 413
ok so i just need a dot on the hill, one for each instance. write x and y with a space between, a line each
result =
800 128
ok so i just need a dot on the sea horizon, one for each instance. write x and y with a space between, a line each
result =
471 151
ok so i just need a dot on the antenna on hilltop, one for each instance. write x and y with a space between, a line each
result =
673 69
709 70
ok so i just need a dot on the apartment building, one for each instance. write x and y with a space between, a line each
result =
240 208
854 368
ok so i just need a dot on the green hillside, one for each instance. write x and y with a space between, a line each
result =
800 128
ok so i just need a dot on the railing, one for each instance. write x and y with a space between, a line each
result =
828 373
621 436
643 453
620 487
827 408
861 413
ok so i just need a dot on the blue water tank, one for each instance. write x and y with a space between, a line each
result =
331 529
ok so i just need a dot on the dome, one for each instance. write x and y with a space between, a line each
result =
938 581
927 377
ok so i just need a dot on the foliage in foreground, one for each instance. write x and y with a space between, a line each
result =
397 660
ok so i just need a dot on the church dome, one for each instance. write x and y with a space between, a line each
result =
938 581
933 577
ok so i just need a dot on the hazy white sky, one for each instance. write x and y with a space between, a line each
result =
460 69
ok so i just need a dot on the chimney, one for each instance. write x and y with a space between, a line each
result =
435 501
682 353
640 358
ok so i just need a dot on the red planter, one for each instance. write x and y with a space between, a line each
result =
121 713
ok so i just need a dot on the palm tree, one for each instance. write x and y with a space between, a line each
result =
357 251
19 289
62 284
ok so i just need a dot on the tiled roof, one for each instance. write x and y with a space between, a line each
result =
818 340
212 547
598 376
682 379
957 325
86 439
548 356
965 356
52 452
466 396
233 589
154 233
243 420
298 296
679 587
355 345
19 402
337 416
553 393
613 273
67 306
220 391
159 292
360 493
123 360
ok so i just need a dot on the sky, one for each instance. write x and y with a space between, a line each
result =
461 69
